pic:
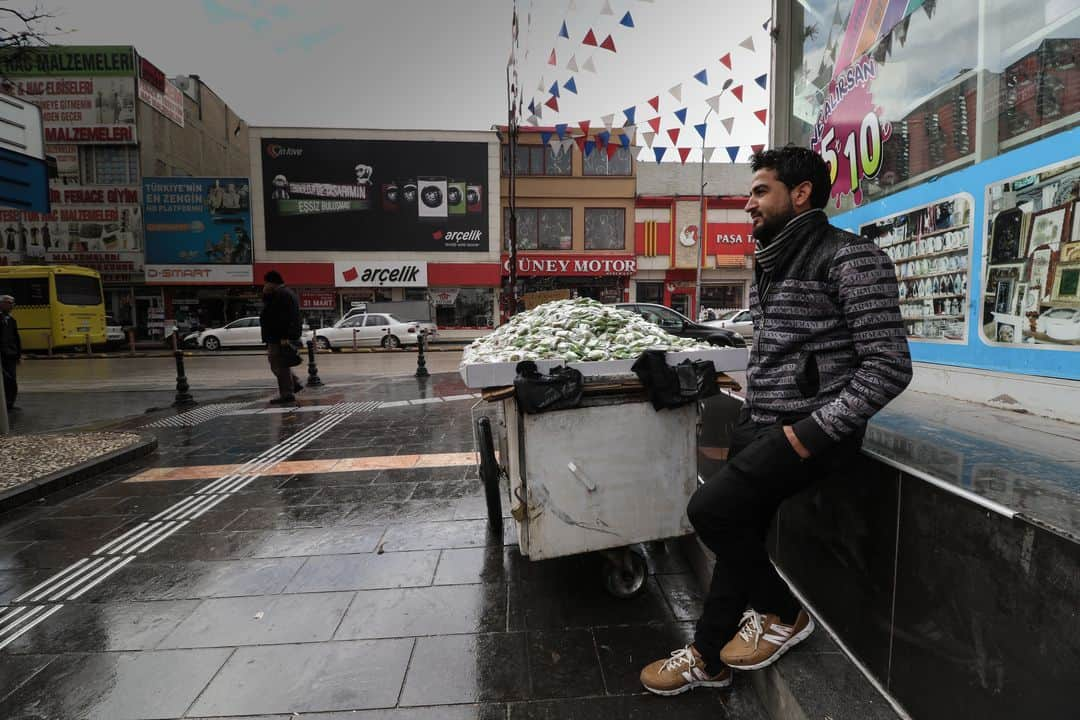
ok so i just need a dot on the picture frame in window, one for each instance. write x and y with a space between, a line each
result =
1070 252
1004 296
1047 228
1021 295
1067 283
1040 266
997 273
1006 236
1005 332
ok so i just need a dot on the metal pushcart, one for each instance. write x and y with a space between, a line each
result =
604 476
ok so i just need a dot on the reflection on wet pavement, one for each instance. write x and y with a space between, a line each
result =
328 563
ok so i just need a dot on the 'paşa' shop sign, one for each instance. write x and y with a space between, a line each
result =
362 195
850 132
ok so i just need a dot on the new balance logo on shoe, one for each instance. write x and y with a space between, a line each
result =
684 670
747 651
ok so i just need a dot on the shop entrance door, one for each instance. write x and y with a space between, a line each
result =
681 304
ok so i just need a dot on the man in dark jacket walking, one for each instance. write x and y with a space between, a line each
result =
829 351
280 322
10 349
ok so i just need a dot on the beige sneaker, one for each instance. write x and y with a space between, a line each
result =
762 639
684 670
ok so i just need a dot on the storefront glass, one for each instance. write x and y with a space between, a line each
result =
650 292
541 228
894 92
463 307
727 296
605 229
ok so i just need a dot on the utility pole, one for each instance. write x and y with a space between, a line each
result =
702 224
512 93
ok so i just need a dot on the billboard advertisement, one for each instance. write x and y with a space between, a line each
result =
160 94
80 60
375 195
197 229
84 110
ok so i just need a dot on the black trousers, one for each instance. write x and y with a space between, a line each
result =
731 513
11 387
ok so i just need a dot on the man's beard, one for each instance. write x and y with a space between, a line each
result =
770 227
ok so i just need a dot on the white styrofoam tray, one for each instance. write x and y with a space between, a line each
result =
484 375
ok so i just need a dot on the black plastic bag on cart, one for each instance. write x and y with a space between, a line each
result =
671 386
536 393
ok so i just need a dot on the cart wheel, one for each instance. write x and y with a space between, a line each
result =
625 578
489 473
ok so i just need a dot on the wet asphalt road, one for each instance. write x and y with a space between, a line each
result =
326 559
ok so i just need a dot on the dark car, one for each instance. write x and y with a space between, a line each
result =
682 326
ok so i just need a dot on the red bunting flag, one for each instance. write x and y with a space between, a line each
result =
737 92
760 115
655 124
612 148
726 60
584 125
581 143
551 58
757 148
590 39
608 44
553 103
683 153
673 133
655 102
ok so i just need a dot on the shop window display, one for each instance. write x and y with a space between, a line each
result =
1031 280
930 248
598 162
463 307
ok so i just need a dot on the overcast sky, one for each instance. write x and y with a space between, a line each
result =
437 64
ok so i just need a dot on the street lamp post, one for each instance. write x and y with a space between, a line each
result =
703 223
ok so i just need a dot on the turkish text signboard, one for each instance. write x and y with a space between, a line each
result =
160 94
568 265
375 195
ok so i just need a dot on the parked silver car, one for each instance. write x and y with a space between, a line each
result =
738 320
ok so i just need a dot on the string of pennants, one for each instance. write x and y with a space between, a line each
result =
611 139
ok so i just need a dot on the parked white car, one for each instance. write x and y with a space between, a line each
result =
114 333
738 320
385 329
245 332
1060 323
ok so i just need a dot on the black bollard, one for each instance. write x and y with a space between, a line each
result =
312 371
421 364
183 397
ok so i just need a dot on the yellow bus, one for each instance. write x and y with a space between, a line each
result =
56 306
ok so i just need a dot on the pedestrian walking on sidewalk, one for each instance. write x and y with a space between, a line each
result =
280 322
829 351
10 349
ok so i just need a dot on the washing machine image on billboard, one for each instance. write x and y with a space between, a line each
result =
455 197
391 197
474 199
432 193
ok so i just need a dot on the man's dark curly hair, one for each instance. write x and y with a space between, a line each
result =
794 165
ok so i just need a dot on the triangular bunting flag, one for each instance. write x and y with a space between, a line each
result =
629 113
612 148
555 144
533 120
590 38
603 137
701 128
566 145
748 43
737 92
608 120
608 44
588 66
648 138
676 92
655 124
683 153
580 143
673 133
726 60
545 137
655 102
539 111
584 125
554 89
760 80
627 20
733 152
589 147
624 140
572 65
571 85
681 114
709 153
760 115
562 31
714 103
728 124
560 130
606 10
551 58
765 25
757 148
532 106
542 87
702 77
553 103
659 153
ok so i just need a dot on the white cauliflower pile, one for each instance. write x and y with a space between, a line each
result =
575 331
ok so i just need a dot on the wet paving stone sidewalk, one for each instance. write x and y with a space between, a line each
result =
333 561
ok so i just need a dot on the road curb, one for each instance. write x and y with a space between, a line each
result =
190 353
35 489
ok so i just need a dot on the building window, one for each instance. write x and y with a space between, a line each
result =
605 229
598 162
537 160
463 307
650 292
109 165
541 228
416 293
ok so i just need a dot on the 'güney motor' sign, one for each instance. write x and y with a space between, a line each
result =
622 265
